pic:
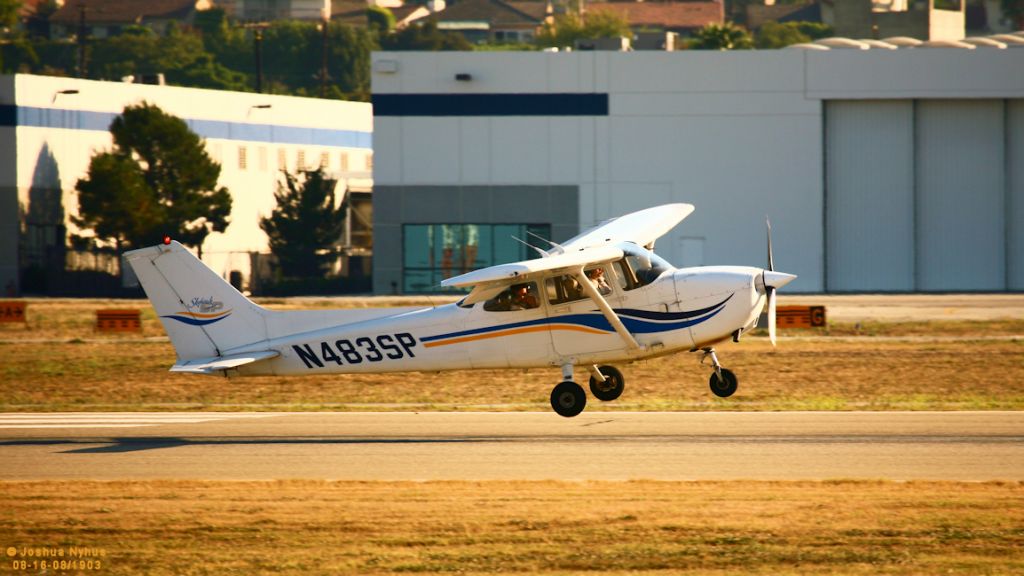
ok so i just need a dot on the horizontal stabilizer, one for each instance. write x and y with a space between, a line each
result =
221 363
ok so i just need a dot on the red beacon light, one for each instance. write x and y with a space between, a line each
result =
167 240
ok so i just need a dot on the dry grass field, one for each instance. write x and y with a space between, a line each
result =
58 362
314 527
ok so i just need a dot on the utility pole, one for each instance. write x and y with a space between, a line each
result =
81 40
258 47
323 59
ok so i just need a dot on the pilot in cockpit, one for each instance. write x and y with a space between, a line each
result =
523 298
597 277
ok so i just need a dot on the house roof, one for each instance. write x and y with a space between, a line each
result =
125 11
536 9
494 12
30 7
351 12
664 15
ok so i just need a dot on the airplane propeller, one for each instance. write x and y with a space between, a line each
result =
770 281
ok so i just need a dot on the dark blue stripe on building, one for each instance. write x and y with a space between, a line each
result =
11 115
490 104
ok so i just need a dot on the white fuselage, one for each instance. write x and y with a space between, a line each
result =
683 309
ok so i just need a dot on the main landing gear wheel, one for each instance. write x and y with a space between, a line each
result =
612 386
568 399
726 385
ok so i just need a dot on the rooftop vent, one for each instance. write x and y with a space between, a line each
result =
902 41
843 43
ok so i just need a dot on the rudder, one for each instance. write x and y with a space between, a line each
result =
204 316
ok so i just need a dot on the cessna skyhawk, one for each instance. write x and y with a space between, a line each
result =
601 298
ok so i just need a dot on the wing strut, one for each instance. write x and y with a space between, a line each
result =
602 304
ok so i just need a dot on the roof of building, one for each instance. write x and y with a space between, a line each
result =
125 11
665 15
536 9
351 12
491 11
30 7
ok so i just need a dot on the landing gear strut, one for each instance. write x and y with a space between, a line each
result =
606 383
723 382
568 398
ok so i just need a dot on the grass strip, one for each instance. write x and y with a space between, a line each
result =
301 527
839 374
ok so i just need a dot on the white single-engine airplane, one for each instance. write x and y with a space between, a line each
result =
602 297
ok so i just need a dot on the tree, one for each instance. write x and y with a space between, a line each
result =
727 36
305 225
1013 10
779 35
425 36
569 27
380 19
9 10
157 180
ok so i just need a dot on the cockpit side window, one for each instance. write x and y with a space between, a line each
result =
641 267
516 297
562 289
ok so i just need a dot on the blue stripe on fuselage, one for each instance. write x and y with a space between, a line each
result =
636 321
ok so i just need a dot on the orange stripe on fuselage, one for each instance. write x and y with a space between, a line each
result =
515 331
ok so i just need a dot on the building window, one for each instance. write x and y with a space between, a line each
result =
344 161
434 252
242 160
282 160
325 160
369 161
300 161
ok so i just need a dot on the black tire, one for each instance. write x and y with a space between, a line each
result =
568 399
726 386
612 386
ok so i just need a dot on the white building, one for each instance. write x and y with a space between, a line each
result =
50 127
881 169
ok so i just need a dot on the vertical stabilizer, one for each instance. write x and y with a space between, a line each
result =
204 316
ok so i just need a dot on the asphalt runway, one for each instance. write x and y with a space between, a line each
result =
964 446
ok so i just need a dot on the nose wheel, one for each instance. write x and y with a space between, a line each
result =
606 383
725 385
723 382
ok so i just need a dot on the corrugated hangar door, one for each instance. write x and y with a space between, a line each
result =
960 174
869 205
1015 202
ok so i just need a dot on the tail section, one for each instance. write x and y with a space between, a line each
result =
204 316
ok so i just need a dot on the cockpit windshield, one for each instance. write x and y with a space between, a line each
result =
642 266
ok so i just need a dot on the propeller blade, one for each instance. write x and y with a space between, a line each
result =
771 259
771 313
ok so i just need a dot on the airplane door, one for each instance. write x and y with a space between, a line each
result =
577 326
506 331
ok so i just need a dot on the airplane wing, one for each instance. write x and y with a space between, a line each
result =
641 228
505 274
221 363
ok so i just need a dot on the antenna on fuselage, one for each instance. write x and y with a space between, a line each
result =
558 247
543 253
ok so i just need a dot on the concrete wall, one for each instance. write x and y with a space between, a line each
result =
679 127
739 134
54 133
